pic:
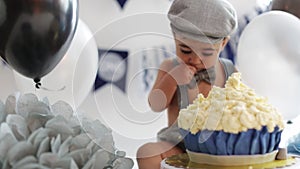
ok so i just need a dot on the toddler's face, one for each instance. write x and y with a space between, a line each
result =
197 54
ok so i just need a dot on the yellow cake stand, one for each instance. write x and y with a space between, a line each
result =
183 161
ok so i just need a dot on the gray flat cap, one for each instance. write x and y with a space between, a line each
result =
207 21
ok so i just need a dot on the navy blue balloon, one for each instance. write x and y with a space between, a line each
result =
35 34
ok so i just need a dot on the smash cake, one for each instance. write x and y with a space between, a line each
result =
232 126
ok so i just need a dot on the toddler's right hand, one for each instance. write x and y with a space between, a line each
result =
183 73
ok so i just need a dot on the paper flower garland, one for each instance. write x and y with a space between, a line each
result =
34 134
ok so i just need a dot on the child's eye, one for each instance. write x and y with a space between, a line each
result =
186 51
207 54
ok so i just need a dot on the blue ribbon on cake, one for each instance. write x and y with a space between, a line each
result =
244 143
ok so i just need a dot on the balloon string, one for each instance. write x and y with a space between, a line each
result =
53 90
38 85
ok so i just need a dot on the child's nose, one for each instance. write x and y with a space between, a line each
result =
194 59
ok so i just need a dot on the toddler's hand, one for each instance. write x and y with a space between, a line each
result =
183 73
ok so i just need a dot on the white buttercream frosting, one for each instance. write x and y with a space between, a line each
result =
233 109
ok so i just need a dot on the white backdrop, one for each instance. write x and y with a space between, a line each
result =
141 28
7 81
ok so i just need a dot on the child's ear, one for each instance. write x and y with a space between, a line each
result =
224 42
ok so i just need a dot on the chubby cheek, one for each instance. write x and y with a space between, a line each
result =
209 62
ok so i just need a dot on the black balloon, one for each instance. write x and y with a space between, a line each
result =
35 34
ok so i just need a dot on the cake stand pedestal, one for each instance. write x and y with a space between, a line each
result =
181 161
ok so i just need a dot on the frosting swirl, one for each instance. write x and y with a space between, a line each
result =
233 109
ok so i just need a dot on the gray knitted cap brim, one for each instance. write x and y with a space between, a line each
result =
200 36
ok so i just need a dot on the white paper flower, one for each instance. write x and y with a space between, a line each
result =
34 134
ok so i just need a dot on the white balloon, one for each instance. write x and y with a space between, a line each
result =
76 72
268 57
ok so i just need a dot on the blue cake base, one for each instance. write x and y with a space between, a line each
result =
250 142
